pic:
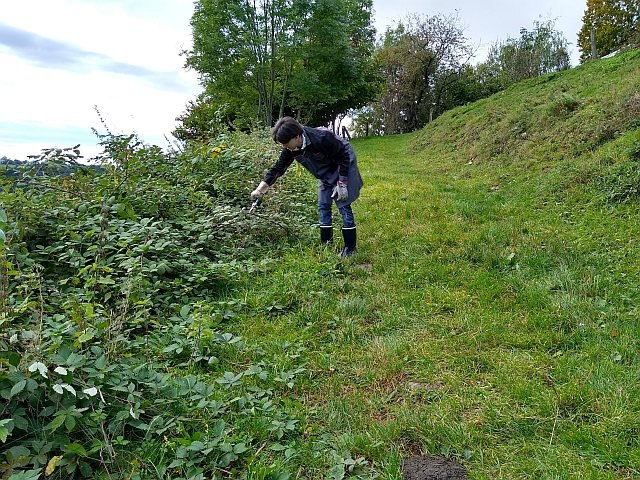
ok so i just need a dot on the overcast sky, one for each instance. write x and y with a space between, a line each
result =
61 59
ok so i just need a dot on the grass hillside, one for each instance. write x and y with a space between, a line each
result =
150 328
499 323
492 312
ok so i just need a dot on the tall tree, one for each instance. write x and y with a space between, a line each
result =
244 52
419 61
260 59
612 24
337 72
538 51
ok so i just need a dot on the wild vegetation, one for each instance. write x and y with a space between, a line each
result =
260 61
320 61
114 313
151 328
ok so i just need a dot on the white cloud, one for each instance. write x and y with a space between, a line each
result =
121 30
120 55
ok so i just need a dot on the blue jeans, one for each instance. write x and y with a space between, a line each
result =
325 215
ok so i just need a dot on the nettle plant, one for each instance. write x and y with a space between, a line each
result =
111 315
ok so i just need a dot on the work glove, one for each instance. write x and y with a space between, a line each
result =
260 191
340 192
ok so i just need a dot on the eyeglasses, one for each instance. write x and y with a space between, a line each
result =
293 145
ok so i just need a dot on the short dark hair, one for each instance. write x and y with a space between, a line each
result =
285 129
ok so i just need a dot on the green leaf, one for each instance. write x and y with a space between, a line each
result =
86 336
6 426
56 423
3 237
18 454
85 469
14 359
69 423
240 448
3 216
218 428
18 387
337 472
20 422
196 446
229 379
27 475
75 448
101 362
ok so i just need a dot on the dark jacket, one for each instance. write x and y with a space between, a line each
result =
327 157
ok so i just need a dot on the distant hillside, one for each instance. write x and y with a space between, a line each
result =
24 168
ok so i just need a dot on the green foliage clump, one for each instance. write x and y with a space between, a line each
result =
538 51
564 105
620 177
112 285
261 60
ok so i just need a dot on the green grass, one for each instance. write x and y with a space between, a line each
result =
491 312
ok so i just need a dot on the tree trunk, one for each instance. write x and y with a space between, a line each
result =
285 86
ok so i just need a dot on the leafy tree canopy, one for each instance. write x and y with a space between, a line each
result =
613 23
419 60
538 51
260 60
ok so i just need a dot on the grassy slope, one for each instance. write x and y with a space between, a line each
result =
491 314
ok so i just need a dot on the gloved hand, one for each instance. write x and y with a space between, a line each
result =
340 191
261 190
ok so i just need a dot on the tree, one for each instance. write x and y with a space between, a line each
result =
203 120
367 121
612 24
537 52
420 61
259 60
465 88
336 72
244 52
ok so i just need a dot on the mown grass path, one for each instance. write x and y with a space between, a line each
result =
486 317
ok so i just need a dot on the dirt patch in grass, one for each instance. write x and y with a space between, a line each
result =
429 387
432 468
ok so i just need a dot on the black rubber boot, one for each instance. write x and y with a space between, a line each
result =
326 235
349 235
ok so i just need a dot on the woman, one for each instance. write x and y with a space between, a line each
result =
332 161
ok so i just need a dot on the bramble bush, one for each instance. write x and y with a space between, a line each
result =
113 313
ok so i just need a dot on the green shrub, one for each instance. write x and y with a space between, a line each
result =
111 305
564 105
619 178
